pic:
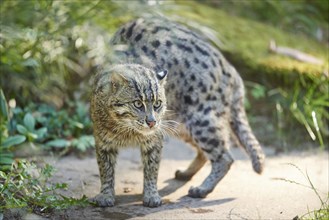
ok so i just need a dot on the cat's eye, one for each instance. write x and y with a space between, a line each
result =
138 104
157 104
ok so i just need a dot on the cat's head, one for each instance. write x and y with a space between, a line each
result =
134 97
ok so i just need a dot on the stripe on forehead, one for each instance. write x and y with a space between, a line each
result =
152 85
138 90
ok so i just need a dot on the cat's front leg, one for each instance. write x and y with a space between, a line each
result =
151 159
106 159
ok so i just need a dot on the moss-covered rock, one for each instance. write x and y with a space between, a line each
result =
246 44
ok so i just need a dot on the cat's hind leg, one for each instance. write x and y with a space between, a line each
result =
211 135
194 167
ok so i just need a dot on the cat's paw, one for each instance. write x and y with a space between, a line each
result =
152 201
181 175
198 192
103 200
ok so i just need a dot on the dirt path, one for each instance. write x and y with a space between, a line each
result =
242 194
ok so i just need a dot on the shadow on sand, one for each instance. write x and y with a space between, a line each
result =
130 206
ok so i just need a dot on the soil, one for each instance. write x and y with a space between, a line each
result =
242 194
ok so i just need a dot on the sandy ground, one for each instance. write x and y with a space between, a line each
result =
242 194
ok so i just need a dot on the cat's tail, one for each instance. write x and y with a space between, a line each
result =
241 128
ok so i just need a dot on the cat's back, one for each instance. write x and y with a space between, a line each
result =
169 44
197 71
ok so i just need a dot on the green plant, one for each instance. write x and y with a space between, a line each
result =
319 214
26 186
6 142
255 90
28 129
308 103
63 130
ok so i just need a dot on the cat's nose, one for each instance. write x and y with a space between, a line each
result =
150 123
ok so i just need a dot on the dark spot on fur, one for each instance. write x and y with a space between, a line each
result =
198 133
144 49
196 60
207 150
212 129
213 63
172 86
204 65
204 123
176 61
188 100
226 74
200 108
153 54
193 77
220 62
157 29
122 31
220 114
213 142
203 52
156 44
204 139
187 64
223 98
184 48
130 30
207 110
138 37
190 89
168 43
213 76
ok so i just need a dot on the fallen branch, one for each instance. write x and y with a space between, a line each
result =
296 54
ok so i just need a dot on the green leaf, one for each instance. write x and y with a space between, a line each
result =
58 143
13 140
30 62
3 155
3 106
41 132
6 160
29 122
32 136
78 124
21 129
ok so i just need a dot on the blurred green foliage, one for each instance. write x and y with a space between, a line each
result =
45 127
63 130
305 17
6 141
44 53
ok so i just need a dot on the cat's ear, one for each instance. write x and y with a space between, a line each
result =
117 81
162 75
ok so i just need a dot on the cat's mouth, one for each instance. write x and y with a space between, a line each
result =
147 130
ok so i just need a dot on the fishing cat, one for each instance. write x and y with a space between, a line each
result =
168 73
